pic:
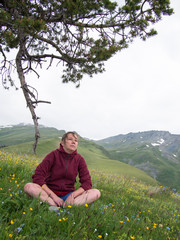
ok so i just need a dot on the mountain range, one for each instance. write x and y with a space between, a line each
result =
157 153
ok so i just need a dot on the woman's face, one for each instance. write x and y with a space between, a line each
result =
70 143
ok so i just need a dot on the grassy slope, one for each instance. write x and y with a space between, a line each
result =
126 210
97 159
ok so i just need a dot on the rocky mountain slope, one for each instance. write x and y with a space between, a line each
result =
167 143
155 152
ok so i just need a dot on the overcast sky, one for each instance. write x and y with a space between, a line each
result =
139 91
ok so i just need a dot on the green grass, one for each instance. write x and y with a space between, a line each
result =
127 209
44 147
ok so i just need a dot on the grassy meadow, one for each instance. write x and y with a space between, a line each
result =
128 208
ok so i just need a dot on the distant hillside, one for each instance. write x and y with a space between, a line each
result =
96 156
155 152
16 134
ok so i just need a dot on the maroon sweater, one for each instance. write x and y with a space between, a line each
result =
59 170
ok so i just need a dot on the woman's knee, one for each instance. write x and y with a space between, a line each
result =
29 188
97 193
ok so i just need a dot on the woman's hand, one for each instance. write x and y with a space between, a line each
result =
58 200
52 196
69 200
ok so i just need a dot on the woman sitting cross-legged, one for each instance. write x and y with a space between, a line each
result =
54 178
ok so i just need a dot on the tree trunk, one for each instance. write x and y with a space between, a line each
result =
26 93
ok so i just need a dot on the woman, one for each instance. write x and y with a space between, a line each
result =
55 176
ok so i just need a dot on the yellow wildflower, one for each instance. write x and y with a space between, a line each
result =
99 236
86 205
10 235
155 225
12 222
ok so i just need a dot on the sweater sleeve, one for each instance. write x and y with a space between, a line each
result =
42 172
84 175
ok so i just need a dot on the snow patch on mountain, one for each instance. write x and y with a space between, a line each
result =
158 143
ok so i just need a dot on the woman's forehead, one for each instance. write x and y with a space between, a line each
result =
72 135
